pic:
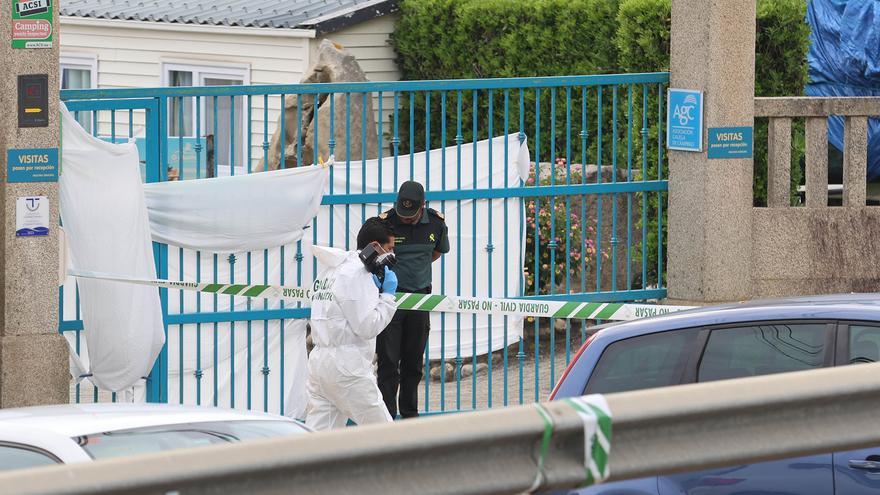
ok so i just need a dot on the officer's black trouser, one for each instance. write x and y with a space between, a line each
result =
401 349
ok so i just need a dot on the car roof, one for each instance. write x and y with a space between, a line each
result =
82 419
859 307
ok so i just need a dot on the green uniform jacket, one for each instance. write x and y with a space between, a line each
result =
414 246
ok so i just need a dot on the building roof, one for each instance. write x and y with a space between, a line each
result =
321 15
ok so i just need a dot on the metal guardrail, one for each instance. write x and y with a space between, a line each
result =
656 431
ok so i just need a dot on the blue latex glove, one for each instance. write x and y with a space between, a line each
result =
376 281
389 286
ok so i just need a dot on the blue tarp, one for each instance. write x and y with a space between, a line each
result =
844 60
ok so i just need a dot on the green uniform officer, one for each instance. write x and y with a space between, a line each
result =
420 238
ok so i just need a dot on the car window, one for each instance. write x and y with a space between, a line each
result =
12 457
181 436
864 344
655 360
762 350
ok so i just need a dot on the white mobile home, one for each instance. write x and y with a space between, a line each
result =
113 44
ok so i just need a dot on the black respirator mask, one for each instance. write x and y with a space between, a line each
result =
375 259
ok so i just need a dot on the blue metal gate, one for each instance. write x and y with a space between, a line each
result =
594 140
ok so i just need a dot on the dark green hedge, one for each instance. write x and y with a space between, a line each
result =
459 39
466 39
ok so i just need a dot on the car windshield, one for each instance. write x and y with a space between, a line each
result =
180 436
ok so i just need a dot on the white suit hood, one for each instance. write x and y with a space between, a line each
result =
330 257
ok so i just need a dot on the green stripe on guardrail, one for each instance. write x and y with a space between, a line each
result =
596 417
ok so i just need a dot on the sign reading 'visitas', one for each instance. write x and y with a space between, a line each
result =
32 165
730 142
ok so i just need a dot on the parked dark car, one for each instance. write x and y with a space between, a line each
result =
735 341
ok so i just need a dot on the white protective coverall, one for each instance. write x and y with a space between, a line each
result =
348 312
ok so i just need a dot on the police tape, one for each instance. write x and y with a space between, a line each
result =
420 302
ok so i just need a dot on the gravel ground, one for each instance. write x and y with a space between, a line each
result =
552 362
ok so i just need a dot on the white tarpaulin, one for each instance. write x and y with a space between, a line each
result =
471 267
105 221
211 361
108 215
236 214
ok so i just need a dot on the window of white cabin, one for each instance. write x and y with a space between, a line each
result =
220 121
80 72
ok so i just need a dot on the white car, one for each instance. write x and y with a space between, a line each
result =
46 435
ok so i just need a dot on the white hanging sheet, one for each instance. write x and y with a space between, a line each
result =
236 214
107 230
111 218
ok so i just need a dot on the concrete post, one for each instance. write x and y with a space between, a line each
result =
710 201
33 355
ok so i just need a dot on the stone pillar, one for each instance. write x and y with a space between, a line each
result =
33 355
710 201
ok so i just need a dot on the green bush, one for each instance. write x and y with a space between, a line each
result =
466 39
460 39
642 38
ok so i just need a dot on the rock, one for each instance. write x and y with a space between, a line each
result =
574 327
482 369
448 374
333 64
467 370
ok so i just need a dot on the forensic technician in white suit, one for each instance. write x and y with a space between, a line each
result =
352 302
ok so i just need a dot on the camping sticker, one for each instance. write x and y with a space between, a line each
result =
32 24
